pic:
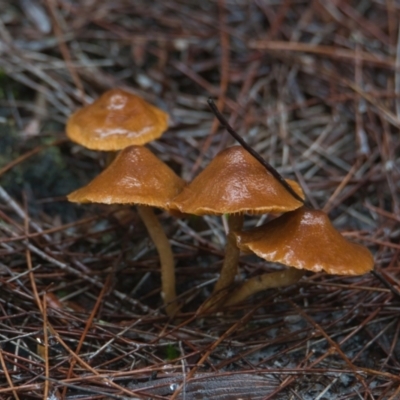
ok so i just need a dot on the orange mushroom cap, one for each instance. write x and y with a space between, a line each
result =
136 176
306 239
116 120
235 182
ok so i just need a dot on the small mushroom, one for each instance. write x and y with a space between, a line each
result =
234 183
137 176
303 239
116 120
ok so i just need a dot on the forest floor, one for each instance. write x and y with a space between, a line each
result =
313 86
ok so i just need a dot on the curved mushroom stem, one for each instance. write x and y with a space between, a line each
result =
230 264
163 247
262 282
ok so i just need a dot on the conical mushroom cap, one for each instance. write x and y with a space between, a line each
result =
116 120
235 182
136 176
306 239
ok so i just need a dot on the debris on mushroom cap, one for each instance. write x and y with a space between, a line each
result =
116 120
136 176
306 239
235 182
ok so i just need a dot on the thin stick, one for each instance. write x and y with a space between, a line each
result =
46 349
7 375
257 156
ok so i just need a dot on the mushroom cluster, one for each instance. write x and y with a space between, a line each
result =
303 239
235 183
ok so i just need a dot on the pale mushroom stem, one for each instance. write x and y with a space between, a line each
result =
164 250
230 264
262 282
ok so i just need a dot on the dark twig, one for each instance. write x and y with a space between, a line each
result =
257 156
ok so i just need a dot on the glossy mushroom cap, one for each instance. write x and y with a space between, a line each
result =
306 239
136 176
116 120
235 182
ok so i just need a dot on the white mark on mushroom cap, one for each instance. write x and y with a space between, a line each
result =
101 132
117 102
130 182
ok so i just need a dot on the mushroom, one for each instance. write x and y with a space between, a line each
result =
116 120
137 176
303 239
234 183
